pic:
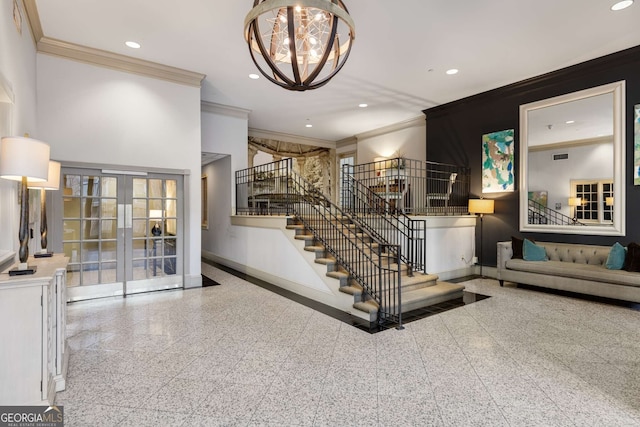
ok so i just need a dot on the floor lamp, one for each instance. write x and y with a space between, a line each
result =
52 183
575 202
23 159
481 207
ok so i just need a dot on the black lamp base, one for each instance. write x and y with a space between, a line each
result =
43 255
24 272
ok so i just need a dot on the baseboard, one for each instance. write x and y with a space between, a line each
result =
192 281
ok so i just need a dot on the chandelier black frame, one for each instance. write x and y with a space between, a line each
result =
295 31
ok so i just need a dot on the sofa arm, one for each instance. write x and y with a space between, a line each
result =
505 252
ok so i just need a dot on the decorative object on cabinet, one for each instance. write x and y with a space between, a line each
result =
22 159
296 44
34 356
497 162
52 183
481 207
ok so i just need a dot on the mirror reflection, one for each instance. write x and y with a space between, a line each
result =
572 163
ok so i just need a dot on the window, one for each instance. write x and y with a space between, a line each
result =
597 200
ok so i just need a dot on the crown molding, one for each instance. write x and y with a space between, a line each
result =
224 110
285 137
347 142
115 61
33 17
416 121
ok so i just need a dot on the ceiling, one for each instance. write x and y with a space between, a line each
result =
398 61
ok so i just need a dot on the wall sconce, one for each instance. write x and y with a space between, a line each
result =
23 159
481 207
52 183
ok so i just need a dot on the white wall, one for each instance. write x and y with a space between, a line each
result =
100 116
18 116
408 140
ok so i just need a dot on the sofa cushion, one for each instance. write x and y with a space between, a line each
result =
516 247
591 272
615 260
632 260
533 252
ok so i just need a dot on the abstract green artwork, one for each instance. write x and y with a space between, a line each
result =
497 162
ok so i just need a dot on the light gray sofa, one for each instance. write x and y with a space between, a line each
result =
571 267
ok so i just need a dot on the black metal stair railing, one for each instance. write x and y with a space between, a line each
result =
386 221
372 263
540 214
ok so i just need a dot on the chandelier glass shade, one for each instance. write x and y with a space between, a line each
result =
296 44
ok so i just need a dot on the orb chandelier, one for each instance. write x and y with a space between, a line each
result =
296 43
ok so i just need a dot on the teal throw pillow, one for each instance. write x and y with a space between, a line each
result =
616 257
533 252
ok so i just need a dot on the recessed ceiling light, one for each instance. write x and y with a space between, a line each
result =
452 71
622 5
569 122
308 125
254 76
132 44
363 105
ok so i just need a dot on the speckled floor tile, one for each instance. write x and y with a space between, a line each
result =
239 355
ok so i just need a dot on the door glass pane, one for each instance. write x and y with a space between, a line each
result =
90 207
109 229
139 187
72 251
72 185
71 207
71 230
91 186
139 228
172 186
140 269
90 273
155 188
139 208
90 229
90 252
109 208
171 227
73 276
109 187
170 208
108 251
169 266
155 205
108 272
139 248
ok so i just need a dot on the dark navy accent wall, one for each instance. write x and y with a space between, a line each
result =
454 135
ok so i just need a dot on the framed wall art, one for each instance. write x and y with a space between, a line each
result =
497 162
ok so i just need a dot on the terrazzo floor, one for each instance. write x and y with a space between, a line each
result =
237 354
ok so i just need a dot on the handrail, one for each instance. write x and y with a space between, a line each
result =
540 214
372 262
387 222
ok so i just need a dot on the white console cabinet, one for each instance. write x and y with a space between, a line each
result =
33 356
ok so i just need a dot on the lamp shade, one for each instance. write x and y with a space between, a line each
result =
608 201
575 201
481 206
53 182
24 157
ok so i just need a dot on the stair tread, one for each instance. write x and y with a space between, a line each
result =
304 237
337 274
351 290
440 288
314 248
325 260
366 306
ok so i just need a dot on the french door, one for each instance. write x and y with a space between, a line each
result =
122 232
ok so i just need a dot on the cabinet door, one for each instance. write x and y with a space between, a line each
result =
21 352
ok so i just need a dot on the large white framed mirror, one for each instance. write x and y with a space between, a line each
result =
572 163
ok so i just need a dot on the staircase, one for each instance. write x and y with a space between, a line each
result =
417 290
